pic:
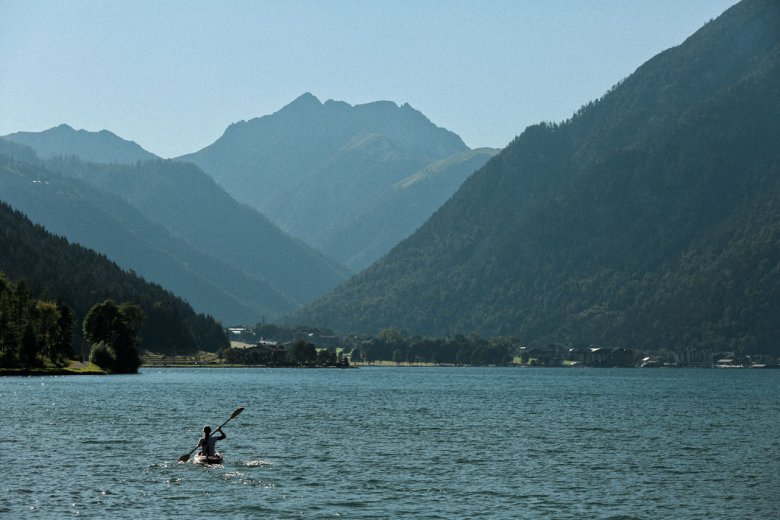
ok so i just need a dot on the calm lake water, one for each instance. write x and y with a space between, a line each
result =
395 443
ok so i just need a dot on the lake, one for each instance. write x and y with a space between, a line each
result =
408 442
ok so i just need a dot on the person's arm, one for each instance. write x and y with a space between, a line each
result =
222 434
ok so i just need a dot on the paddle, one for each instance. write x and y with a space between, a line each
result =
185 458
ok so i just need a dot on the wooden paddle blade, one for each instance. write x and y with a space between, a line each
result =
237 412
184 458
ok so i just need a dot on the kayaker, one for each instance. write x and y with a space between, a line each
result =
207 443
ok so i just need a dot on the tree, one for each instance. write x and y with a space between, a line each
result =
28 351
132 317
102 355
62 344
326 357
303 353
117 327
47 316
233 356
392 336
9 337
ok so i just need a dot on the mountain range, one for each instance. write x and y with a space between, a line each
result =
65 196
99 147
53 268
651 218
172 223
351 181
190 205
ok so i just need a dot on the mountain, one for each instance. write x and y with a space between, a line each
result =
403 208
190 205
100 147
53 267
649 219
107 223
323 171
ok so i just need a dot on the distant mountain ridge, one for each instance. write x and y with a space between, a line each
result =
108 224
170 222
350 181
81 278
188 203
650 219
323 170
99 147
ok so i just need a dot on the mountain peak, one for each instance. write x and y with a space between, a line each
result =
641 221
98 147
307 97
339 162
305 101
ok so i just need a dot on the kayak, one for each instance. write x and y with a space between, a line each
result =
208 459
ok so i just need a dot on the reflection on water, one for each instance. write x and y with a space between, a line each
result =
396 442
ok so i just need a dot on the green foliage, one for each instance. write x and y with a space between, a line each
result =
78 278
103 355
95 218
650 219
393 345
116 327
28 349
302 353
32 331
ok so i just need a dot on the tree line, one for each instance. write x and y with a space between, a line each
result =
393 344
32 330
299 353
36 332
56 270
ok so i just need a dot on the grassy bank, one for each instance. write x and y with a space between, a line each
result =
74 368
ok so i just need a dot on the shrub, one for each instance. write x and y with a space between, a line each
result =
103 356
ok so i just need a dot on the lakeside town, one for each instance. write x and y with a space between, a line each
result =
311 347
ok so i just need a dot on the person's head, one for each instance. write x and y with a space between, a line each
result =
207 430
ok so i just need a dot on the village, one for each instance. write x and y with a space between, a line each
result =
314 348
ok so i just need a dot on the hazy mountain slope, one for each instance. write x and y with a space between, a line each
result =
51 266
19 152
190 205
319 169
64 141
651 218
108 224
399 213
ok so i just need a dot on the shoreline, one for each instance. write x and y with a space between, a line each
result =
75 368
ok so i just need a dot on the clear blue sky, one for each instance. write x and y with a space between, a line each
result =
172 75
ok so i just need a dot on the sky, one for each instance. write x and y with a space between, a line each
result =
172 75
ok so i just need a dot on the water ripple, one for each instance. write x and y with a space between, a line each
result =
398 443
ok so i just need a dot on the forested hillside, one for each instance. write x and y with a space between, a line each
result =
53 268
107 223
189 205
650 219
325 172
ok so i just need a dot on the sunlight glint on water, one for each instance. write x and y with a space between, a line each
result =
396 442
